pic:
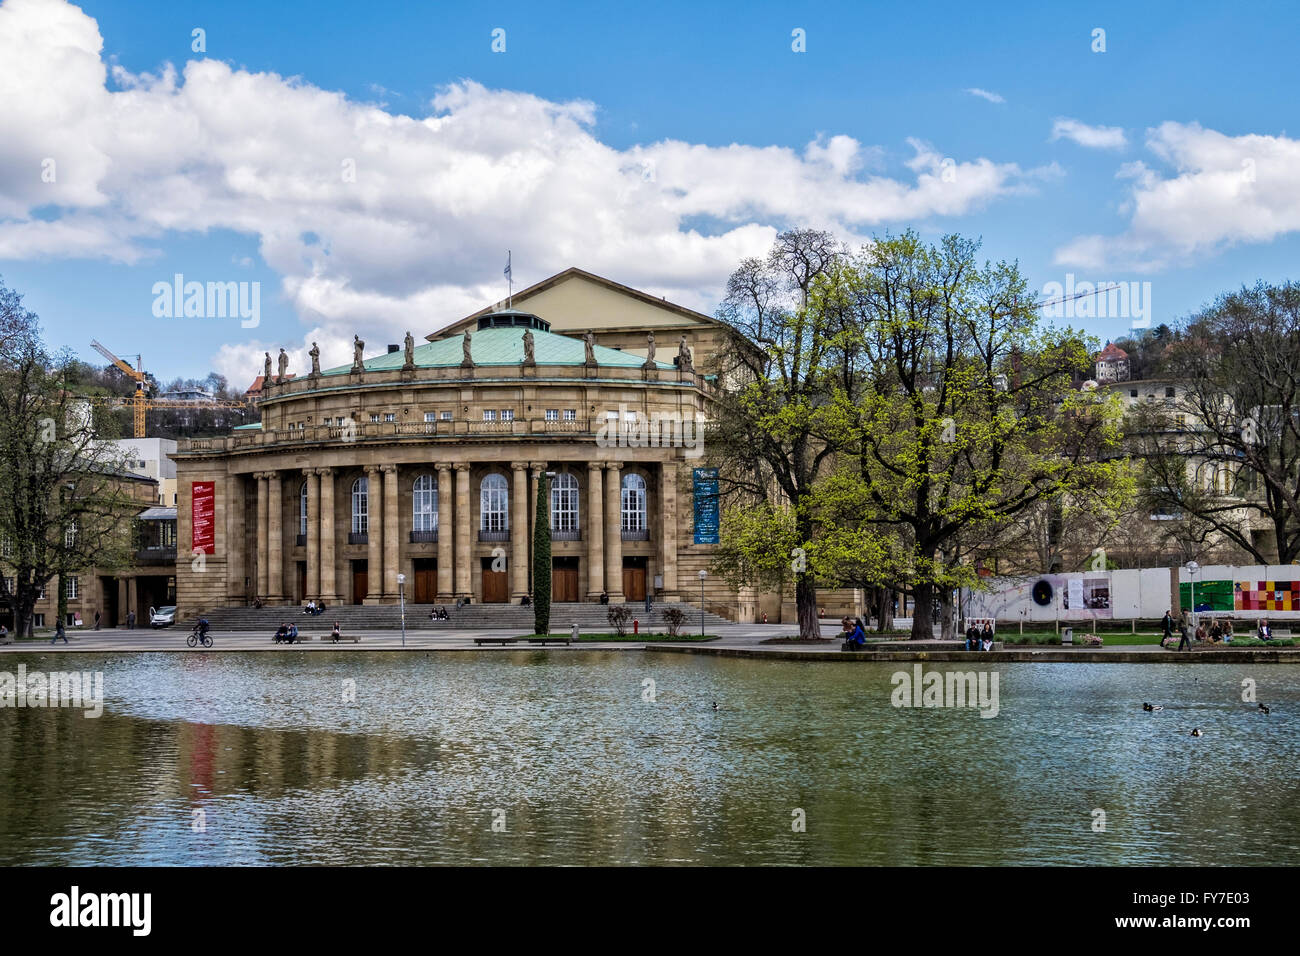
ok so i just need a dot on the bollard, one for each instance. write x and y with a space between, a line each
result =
575 632
636 626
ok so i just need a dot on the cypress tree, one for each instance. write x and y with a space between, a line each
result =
542 558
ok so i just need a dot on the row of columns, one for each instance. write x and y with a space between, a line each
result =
456 538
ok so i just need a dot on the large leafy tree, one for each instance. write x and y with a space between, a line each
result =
770 436
956 409
64 493
1224 453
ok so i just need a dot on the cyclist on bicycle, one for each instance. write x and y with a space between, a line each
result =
201 628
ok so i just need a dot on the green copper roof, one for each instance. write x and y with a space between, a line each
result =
502 347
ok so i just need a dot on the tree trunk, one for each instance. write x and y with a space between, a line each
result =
805 599
946 608
885 620
922 613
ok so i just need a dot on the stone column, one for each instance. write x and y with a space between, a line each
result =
237 541
595 533
328 578
614 532
446 527
275 539
313 533
392 539
463 545
263 536
519 525
668 528
375 535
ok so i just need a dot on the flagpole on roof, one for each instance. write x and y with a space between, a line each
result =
510 282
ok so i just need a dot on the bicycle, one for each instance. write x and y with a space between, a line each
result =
198 637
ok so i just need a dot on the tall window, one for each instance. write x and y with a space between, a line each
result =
633 503
361 505
302 509
71 588
564 503
494 503
424 504
70 535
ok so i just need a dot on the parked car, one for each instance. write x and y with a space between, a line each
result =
163 616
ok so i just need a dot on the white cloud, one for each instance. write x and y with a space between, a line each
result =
985 94
416 238
1223 190
1093 137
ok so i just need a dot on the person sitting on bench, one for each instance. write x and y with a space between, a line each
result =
1264 632
334 634
281 634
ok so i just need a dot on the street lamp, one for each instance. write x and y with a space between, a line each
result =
703 574
1192 568
401 597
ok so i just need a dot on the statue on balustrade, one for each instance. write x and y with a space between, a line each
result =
650 351
684 356
266 371
409 344
284 365
589 340
529 357
315 359
357 346
468 360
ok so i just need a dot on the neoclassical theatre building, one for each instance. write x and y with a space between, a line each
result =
423 461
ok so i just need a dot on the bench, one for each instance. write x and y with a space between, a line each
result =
549 639
495 640
329 639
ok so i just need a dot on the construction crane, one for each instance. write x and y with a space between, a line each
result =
141 402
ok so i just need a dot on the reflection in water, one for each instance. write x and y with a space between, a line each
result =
285 770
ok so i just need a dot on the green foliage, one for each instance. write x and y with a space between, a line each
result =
674 618
619 615
542 558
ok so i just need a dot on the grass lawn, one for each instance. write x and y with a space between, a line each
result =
642 638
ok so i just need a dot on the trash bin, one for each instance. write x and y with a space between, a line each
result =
1067 635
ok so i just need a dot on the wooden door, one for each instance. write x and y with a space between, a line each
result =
496 589
302 583
426 582
564 584
634 584
360 584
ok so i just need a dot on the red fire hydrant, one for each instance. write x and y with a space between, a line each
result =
636 626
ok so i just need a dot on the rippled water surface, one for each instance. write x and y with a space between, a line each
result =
565 752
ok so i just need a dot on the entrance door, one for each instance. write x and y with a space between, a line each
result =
496 586
564 579
302 582
634 579
426 581
360 581
108 606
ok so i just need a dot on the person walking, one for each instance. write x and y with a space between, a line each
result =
59 632
97 620
1168 624
130 620
1185 630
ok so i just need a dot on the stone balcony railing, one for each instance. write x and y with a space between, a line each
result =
367 432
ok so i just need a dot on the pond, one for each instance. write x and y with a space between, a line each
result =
594 757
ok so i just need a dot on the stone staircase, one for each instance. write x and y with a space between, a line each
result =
382 617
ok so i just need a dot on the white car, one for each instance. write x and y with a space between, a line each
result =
163 616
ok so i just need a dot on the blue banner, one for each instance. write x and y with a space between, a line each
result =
706 505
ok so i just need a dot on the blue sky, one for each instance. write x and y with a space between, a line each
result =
654 144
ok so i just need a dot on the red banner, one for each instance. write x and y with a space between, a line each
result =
203 505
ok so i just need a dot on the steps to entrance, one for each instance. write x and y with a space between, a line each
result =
474 616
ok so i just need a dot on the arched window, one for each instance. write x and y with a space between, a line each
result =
494 503
633 503
361 505
424 504
564 503
302 510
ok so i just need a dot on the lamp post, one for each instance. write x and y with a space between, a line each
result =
401 598
703 574
1192 568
